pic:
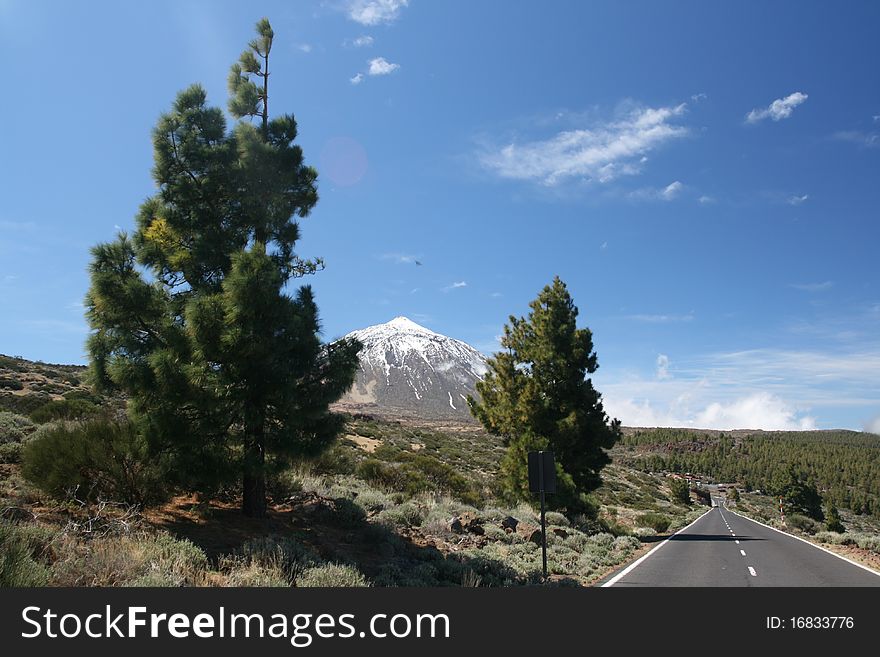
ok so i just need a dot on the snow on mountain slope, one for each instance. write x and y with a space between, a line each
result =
406 366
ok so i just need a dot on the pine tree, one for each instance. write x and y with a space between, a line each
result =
225 372
833 522
536 395
798 494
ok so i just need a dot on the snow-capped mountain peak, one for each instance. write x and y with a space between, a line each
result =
405 365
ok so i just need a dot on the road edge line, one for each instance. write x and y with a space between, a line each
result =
803 540
631 567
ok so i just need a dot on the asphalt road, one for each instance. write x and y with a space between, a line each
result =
724 549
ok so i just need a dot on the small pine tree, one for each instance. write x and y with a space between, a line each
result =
733 494
833 523
680 490
536 395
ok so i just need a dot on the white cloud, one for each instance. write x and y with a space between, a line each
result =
305 47
863 139
779 109
706 200
671 190
798 200
54 326
858 368
400 258
661 319
357 79
699 97
363 41
496 295
758 411
701 403
374 12
602 152
381 66
813 287
454 286
767 388
668 193
17 225
663 367
873 426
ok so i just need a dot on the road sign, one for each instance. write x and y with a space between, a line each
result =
542 479
542 472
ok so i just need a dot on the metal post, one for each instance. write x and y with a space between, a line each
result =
543 522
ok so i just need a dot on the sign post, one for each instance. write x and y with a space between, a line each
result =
542 479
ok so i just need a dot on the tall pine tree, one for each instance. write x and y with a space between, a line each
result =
225 372
537 396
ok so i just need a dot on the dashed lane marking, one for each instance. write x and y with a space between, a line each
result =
803 540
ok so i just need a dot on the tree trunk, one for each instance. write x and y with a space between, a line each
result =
253 500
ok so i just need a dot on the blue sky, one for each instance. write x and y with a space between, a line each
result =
702 175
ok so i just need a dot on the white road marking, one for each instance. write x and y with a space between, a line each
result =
742 552
629 568
752 572
818 547
737 542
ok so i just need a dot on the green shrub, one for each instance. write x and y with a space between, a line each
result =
346 513
97 459
868 542
418 473
557 519
615 528
803 523
22 404
336 460
332 574
10 452
253 574
376 472
85 395
373 501
14 428
283 485
11 364
656 521
64 409
10 383
270 558
136 560
403 515
21 554
70 378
